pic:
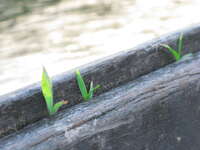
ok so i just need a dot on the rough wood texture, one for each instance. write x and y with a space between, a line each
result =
158 111
26 106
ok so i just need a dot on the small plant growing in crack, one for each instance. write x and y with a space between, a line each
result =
177 54
87 95
47 91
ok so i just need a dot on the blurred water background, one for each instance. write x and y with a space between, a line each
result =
63 34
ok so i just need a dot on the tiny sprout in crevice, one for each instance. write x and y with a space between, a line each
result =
87 95
47 92
177 54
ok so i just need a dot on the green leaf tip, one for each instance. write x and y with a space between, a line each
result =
180 44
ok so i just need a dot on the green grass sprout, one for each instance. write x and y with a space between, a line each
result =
87 95
177 54
47 92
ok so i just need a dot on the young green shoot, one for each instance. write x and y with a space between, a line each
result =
47 91
177 54
87 95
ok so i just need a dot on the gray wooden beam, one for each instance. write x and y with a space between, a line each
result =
157 111
26 106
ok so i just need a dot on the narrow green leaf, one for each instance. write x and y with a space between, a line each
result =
180 44
173 52
81 85
96 87
91 91
47 91
58 105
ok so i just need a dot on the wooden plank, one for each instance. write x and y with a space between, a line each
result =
157 111
26 106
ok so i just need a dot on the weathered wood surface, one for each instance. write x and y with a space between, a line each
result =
159 111
26 106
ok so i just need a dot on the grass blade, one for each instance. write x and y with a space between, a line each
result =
96 87
81 85
180 44
47 90
176 55
58 105
91 91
